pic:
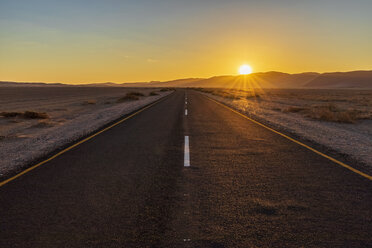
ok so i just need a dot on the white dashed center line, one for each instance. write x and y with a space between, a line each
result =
186 162
185 111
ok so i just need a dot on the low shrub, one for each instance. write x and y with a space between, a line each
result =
135 94
10 114
128 98
26 114
35 115
166 89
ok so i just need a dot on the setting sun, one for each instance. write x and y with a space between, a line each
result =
245 69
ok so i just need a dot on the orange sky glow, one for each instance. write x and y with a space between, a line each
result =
122 41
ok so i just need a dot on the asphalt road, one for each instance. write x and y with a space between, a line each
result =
246 187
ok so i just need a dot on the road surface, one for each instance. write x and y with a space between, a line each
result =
245 186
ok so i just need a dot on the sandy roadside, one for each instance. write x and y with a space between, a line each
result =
17 153
352 140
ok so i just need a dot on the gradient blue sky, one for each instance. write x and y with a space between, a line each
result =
97 41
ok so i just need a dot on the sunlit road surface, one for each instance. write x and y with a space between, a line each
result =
241 185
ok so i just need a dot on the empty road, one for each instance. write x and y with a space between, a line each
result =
187 172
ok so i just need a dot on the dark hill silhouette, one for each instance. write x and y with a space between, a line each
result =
272 79
354 79
255 80
29 84
174 83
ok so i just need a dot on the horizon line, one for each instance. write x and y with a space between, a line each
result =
184 78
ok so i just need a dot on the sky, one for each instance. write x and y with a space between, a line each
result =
88 41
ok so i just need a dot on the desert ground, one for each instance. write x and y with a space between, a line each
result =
37 120
340 120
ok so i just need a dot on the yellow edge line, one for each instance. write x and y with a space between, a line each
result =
297 142
78 143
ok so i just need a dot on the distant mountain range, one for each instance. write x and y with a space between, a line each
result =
354 79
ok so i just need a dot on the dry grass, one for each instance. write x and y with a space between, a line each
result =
343 106
333 114
329 112
26 115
